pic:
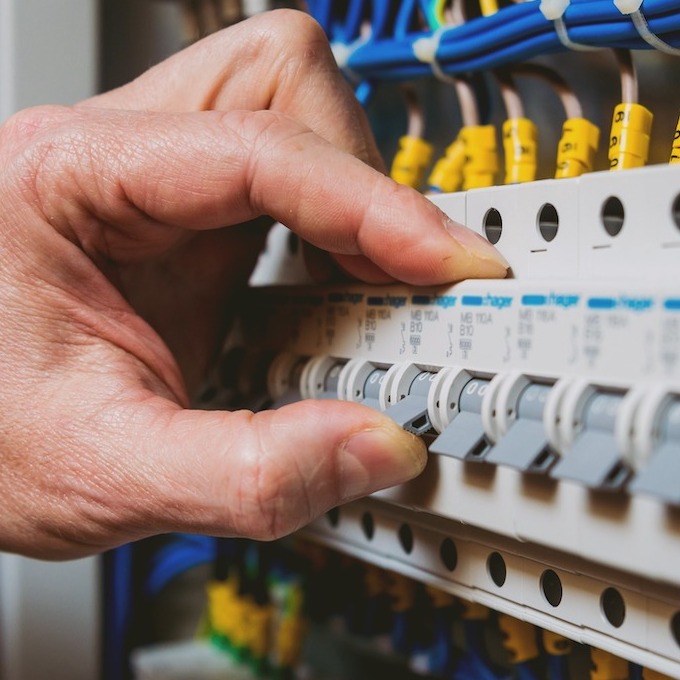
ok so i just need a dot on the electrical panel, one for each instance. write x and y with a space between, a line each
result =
549 402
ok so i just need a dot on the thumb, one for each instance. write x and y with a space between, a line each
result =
264 475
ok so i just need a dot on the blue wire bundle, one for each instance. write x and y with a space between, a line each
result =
515 33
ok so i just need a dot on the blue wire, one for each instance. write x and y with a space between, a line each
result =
184 553
364 92
557 666
381 12
404 20
513 34
117 593
353 20
524 671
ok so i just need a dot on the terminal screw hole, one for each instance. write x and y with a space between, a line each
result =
551 585
495 565
548 222
612 216
613 607
368 525
493 225
406 538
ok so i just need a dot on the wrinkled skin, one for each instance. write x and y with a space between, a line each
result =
117 270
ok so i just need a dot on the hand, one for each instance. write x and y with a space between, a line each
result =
116 272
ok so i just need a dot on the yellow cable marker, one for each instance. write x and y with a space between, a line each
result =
447 174
556 644
481 156
577 148
629 138
488 7
675 153
410 162
520 147
606 666
519 638
473 611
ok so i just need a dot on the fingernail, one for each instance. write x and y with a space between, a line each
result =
380 457
474 244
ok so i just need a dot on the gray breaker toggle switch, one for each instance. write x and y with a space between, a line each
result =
464 437
594 458
525 445
372 388
411 411
661 476
330 382
294 393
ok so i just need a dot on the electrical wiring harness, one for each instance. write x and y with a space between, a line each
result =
385 40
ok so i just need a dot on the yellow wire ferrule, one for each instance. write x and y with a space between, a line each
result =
410 162
577 148
447 174
223 607
488 7
520 147
629 138
259 631
473 611
481 156
675 153
606 666
519 638
556 644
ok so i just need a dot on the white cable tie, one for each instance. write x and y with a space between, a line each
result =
652 39
342 52
425 51
553 9
563 35
628 6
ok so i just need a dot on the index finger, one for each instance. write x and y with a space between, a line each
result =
152 175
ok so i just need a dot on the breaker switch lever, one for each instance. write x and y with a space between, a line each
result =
372 389
409 388
465 436
525 445
661 475
594 458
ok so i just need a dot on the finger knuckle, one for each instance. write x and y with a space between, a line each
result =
287 23
42 146
23 126
295 39
263 514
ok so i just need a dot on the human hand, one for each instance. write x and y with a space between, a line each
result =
117 271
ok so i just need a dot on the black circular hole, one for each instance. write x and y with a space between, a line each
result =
548 222
675 211
449 554
612 216
493 225
551 585
368 525
406 538
613 607
675 628
498 572
333 517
